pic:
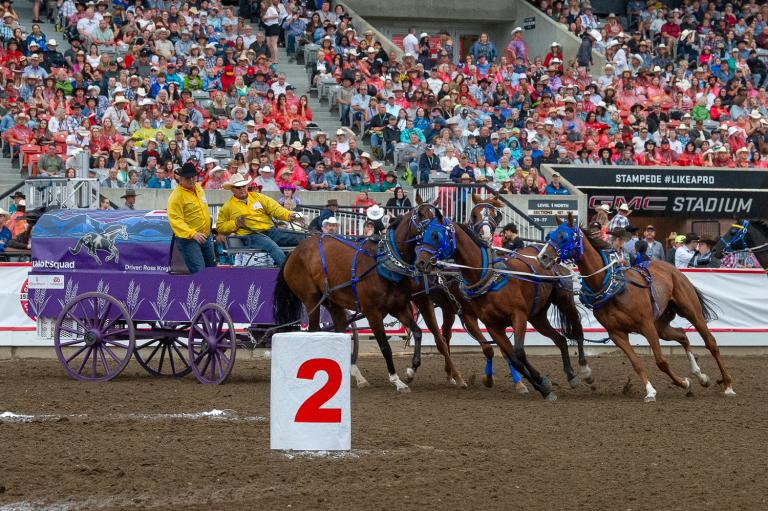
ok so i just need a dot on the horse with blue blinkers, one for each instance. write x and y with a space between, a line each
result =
343 274
484 218
624 301
499 302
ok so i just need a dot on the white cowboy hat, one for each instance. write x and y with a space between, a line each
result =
624 207
214 170
597 36
5 213
330 220
210 160
604 207
375 212
236 180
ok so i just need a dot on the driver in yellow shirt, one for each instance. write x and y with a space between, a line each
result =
250 215
190 220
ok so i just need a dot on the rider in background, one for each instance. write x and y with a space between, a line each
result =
249 215
510 239
190 220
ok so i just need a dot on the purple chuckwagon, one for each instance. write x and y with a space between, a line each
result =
106 286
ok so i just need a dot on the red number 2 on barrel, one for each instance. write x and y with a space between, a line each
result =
310 410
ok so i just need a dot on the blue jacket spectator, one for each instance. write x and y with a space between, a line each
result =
555 187
483 47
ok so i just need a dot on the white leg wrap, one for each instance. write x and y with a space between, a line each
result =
358 376
398 383
650 393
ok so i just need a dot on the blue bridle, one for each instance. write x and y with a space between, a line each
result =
438 240
738 242
571 247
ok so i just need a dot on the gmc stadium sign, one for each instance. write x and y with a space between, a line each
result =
689 191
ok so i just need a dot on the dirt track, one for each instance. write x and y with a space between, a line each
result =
107 446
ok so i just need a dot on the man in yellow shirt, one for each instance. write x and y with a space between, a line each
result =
190 220
250 215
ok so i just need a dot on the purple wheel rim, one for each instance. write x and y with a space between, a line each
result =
164 356
212 344
94 337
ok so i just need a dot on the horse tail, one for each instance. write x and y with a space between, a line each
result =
286 306
707 305
567 318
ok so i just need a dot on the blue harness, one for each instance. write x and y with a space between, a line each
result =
614 283
355 279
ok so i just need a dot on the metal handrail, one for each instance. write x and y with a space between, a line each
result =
458 205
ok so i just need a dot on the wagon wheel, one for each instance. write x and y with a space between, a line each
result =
94 337
212 344
165 356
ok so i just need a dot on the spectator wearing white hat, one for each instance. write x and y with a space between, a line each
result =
330 225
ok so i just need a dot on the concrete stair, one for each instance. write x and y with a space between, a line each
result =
296 75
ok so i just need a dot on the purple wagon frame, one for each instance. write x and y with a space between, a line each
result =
104 276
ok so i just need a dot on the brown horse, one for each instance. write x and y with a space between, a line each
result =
484 218
341 274
638 300
498 303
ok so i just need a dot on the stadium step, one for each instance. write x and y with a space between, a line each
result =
296 75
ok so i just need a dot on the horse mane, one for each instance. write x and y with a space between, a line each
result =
596 241
469 232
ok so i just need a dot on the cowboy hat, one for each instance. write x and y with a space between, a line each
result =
297 145
187 170
375 212
604 207
129 193
236 180
4 213
275 143
331 220
214 170
624 207
120 100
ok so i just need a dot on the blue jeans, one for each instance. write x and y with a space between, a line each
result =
344 114
195 255
423 175
270 241
290 44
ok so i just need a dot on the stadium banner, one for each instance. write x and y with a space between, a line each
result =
667 191
17 323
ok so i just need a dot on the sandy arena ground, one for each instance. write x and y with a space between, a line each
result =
139 442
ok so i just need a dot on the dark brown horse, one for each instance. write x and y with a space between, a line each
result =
484 218
744 237
341 274
498 303
635 300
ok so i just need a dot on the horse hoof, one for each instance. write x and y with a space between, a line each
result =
686 383
550 397
410 374
405 389
729 392
704 380
574 382
650 399
521 388
452 381
363 384
545 387
463 385
590 380
488 381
